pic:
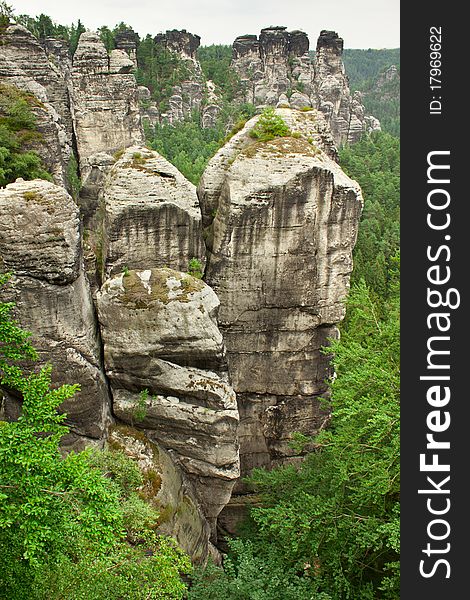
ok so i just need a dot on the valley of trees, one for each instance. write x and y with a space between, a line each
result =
77 527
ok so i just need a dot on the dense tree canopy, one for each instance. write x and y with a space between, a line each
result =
375 163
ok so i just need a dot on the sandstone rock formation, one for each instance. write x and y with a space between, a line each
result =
190 94
151 215
168 353
127 40
274 64
106 106
345 113
282 220
277 64
165 359
40 244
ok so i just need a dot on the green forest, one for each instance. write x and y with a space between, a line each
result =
78 527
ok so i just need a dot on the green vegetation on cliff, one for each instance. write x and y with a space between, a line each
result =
70 527
18 136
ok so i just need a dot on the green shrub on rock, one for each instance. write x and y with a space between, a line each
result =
269 126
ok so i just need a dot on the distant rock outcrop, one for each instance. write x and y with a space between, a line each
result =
106 106
344 112
128 40
277 65
272 65
194 92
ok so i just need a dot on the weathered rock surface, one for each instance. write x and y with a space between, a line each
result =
194 93
40 243
279 259
167 489
106 104
127 40
152 215
274 64
160 335
310 125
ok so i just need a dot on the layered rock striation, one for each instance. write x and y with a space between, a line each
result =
165 359
344 111
151 215
106 106
198 381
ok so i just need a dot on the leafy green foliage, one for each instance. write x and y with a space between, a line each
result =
14 341
64 520
362 66
160 70
6 14
269 126
215 64
195 268
73 177
249 574
17 134
375 163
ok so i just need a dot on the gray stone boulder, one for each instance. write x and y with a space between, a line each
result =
40 244
165 360
152 216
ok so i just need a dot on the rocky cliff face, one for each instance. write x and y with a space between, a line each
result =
282 221
106 107
345 113
194 92
198 381
272 65
151 215
160 335
275 69
40 243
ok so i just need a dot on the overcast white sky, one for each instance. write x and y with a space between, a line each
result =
362 23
